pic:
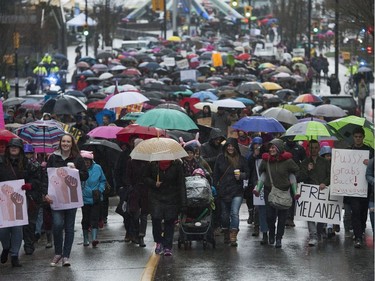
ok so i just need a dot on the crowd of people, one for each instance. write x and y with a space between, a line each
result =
158 188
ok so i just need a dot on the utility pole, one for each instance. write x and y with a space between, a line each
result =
309 8
86 23
337 38
16 45
165 19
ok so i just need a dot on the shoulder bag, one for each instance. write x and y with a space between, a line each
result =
278 198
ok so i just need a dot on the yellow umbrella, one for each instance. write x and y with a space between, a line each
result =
266 65
295 59
270 86
174 39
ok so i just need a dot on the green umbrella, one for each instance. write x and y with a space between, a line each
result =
167 119
186 93
309 130
346 125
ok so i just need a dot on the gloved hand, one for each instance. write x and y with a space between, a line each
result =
26 186
297 196
256 192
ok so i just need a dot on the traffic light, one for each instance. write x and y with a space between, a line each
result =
315 27
234 3
369 50
86 29
248 11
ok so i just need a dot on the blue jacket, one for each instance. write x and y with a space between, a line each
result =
96 180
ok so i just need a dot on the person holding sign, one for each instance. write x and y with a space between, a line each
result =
67 155
315 170
370 180
14 166
275 171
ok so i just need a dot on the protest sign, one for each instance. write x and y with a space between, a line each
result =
13 204
348 173
318 205
64 188
190 74
258 200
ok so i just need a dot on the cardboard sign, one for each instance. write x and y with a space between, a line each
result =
298 52
169 61
182 64
318 205
217 60
348 173
13 204
76 133
64 187
188 75
206 121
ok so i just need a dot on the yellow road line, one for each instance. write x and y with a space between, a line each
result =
151 266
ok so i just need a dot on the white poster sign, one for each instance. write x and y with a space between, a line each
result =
13 204
318 205
64 187
181 64
298 52
188 75
169 61
348 172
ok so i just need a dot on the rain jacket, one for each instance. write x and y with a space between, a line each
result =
96 180
209 151
320 174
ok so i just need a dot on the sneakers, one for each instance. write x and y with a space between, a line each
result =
312 242
167 252
95 243
56 259
66 262
49 245
4 255
159 249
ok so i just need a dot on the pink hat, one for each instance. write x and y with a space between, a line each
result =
200 172
87 154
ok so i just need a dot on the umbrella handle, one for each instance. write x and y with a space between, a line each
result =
157 177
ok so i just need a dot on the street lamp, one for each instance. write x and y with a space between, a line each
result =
86 31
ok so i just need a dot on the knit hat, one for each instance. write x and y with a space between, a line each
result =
16 142
257 140
87 154
325 150
279 144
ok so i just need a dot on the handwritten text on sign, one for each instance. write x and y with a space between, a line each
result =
348 172
318 205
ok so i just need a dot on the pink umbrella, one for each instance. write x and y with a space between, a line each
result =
104 132
330 33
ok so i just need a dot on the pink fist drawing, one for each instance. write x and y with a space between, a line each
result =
72 183
61 173
17 200
7 190
61 189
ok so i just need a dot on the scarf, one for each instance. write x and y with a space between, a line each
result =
164 164
278 157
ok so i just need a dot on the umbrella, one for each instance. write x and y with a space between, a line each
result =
75 93
328 110
283 69
168 119
266 65
174 39
91 143
292 108
44 135
246 101
200 106
97 104
364 69
88 73
281 75
308 98
124 99
149 65
141 131
132 72
104 132
99 67
346 125
309 130
312 119
270 86
282 94
202 86
250 87
64 104
13 101
171 106
259 124
281 115
204 95
117 67
82 64
109 113
6 135
158 149
132 116
105 76
91 88
229 103
302 67
104 55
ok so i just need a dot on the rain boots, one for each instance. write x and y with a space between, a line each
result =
250 220
49 239
264 241
94 233
226 236
233 237
86 241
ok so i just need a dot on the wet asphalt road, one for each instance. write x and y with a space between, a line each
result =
115 260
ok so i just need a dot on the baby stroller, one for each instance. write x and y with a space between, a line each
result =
196 223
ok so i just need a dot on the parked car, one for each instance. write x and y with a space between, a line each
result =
346 102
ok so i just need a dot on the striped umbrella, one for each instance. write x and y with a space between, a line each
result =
44 135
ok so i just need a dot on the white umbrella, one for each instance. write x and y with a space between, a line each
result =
125 99
129 88
328 110
229 103
118 67
281 115
105 76
200 105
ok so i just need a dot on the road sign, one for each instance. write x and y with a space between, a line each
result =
16 40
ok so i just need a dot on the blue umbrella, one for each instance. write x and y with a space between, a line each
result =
259 124
99 116
246 101
204 95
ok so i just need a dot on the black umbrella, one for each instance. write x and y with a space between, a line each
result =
104 55
64 104
155 94
91 88
97 95
75 93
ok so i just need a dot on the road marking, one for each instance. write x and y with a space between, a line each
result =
151 266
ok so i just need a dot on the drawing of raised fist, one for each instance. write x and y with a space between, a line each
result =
4 208
7 190
61 173
61 190
72 183
17 200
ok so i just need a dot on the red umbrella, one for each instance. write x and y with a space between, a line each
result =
243 56
99 104
132 72
6 135
191 102
141 131
308 98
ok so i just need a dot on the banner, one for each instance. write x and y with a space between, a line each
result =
348 173
318 205
13 204
76 133
64 188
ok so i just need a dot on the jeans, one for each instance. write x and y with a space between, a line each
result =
167 239
63 221
359 215
11 238
230 213
272 215
262 211
39 221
